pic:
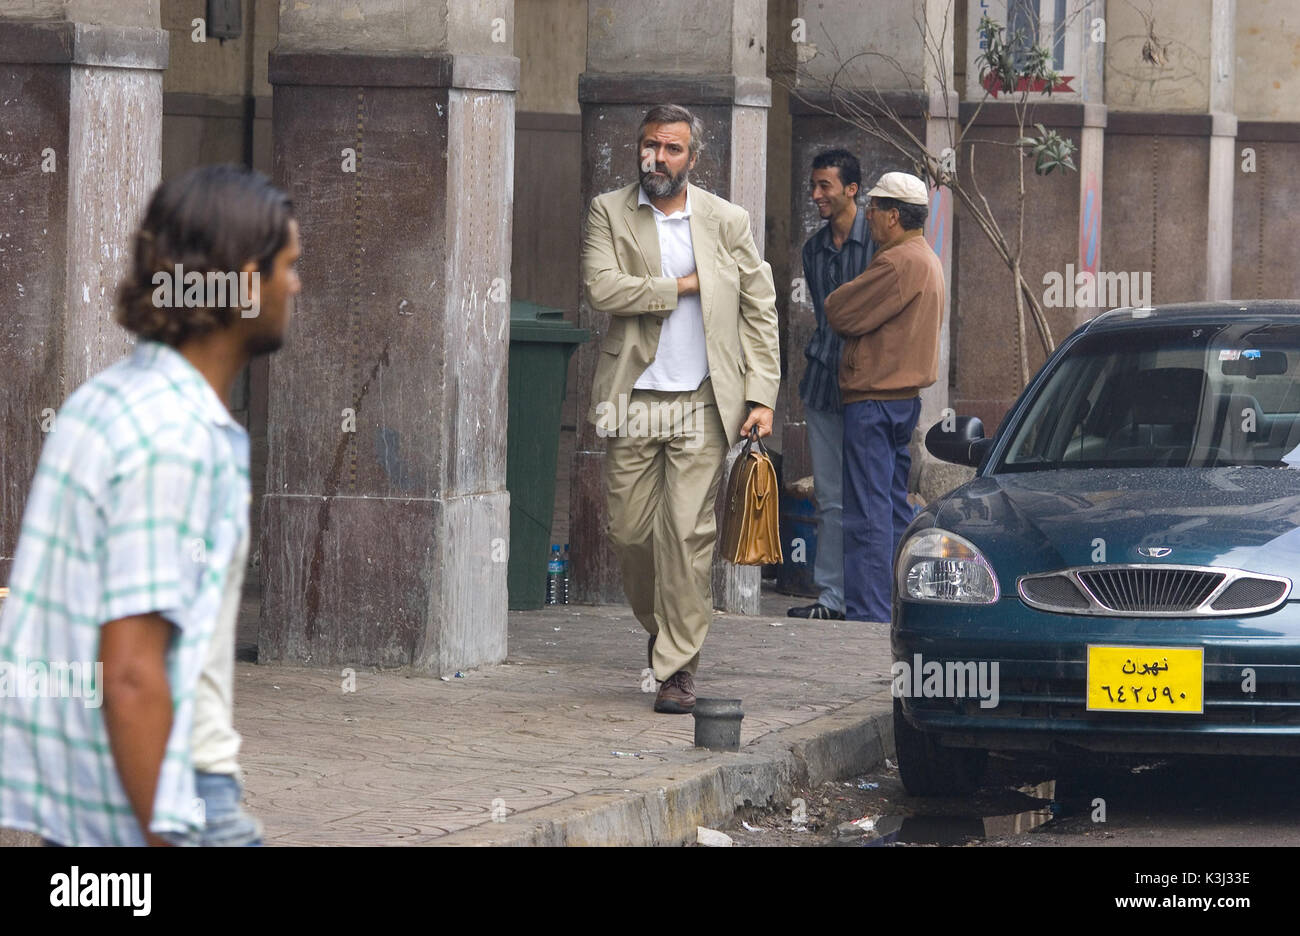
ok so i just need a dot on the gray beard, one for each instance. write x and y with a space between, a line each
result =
663 186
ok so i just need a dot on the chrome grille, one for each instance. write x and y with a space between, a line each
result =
1150 588
1155 590
1057 591
1249 593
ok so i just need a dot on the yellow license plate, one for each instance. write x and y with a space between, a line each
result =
1146 679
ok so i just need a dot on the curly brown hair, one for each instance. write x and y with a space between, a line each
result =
211 220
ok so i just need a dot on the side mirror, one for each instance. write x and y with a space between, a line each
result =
963 444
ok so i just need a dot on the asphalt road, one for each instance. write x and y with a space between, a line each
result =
1174 801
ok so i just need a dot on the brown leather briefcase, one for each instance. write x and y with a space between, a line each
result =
750 528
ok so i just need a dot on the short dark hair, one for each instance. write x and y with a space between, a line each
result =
910 217
213 219
673 113
841 159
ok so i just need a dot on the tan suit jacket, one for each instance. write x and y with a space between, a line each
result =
621 275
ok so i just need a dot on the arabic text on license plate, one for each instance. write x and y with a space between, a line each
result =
1146 679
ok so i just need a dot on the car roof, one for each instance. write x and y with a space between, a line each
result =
1196 313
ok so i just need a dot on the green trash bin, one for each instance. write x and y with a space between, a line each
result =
541 342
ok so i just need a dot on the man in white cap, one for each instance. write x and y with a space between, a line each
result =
890 318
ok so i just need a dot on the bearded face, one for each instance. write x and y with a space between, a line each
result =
662 182
665 159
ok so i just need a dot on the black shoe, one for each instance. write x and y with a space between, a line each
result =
816 612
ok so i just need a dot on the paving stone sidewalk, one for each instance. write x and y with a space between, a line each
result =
408 759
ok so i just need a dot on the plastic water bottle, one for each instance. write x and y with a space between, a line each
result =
564 579
554 576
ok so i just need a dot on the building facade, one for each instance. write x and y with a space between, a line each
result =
441 153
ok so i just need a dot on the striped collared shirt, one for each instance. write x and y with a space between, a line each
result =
825 269
140 499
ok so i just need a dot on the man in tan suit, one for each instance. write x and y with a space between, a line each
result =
691 344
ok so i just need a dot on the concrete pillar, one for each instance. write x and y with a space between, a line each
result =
1223 145
1170 142
821 38
386 520
710 56
81 109
1084 35
1266 253
781 69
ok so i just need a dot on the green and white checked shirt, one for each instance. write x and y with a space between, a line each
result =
140 499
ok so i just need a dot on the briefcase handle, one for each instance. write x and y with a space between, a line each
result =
754 437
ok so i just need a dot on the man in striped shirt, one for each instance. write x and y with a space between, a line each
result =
131 553
839 251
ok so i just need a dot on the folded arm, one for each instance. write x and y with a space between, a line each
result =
865 302
607 287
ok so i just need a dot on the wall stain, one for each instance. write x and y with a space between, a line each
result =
332 479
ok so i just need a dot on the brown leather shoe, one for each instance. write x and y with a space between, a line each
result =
676 694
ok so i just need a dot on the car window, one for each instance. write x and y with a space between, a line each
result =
1168 396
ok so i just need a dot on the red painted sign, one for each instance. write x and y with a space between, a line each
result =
992 86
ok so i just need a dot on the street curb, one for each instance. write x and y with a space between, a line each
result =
664 806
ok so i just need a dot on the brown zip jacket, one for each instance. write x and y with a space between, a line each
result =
890 318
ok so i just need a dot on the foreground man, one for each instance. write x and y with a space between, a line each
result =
134 538
890 318
692 339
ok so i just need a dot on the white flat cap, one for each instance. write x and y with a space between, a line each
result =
902 186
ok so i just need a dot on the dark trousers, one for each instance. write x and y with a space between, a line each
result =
876 511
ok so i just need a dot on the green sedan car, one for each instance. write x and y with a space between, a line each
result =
1118 576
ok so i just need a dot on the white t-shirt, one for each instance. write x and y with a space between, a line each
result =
213 738
682 360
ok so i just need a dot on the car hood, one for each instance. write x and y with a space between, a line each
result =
1245 518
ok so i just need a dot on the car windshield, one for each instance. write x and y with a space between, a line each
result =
1191 396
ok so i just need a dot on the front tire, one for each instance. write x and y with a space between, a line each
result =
927 768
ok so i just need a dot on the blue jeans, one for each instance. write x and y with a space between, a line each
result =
876 511
826 443
227 823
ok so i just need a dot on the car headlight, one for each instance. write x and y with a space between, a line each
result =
936 565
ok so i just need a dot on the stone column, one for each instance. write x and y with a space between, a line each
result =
1170 142
710 56
1084 34
386 520
820 39
1223 150
81 109
1266 254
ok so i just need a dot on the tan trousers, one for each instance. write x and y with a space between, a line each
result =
662 474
